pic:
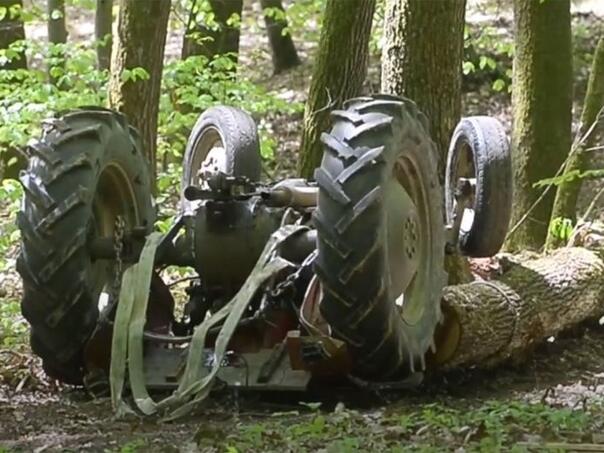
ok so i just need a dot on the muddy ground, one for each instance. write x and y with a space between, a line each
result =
556 395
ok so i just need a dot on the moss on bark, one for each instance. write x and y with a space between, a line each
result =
565 204
542 104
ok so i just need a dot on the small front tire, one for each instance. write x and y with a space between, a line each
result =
223 139
480 151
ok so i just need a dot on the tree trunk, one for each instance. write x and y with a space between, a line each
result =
11 30
215 39
338 74
487 323
422 60
282 46
542 103
140 44
57 34
565 204
103 21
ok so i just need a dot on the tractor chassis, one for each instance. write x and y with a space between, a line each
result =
268 353
283 359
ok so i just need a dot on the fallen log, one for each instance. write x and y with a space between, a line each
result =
489 322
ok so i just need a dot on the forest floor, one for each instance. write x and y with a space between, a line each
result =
553 399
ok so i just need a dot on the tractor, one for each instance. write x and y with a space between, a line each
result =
296 281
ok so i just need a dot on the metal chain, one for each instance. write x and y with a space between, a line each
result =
289 282
118 248
285 285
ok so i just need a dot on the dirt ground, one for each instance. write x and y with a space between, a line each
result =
564 375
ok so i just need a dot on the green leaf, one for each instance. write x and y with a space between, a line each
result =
234 21
487 62
140 74
56 14
499 85
15 11
562 229
126 75
557 180
569 177
56 72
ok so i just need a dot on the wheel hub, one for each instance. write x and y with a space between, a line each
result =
464 170
409 238
215 162
114 198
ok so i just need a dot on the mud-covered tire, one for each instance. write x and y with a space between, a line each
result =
237 132
85 159
482 141
355 239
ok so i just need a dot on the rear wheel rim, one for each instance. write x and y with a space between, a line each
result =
415 227
114 197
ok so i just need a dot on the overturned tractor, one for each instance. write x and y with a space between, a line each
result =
340 278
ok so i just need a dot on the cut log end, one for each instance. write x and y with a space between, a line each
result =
490 322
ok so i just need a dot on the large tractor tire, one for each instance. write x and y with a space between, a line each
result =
381 236
224 139
87 170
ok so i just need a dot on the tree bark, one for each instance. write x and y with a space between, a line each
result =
338 74
57 31
220 39
542 103
282 45
140 44
565 203
487 323
422 59
11 31
103 21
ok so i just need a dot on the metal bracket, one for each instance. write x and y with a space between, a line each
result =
464 192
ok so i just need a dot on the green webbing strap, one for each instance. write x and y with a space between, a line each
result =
119 343
128 329
137 326
194 388
130 321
